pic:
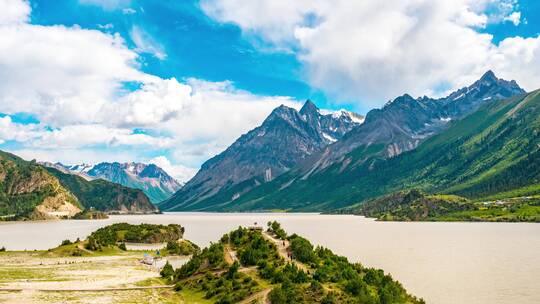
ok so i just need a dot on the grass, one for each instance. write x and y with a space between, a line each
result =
192 296
521 213
15 273
531 190
150 296
74 249
152 282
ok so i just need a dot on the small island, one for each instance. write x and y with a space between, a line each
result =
247 265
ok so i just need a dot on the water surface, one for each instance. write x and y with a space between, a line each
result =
441 262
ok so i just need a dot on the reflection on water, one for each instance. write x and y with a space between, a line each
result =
441 262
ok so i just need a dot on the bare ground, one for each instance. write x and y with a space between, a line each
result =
28 277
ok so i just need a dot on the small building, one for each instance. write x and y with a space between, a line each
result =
148 259
255 227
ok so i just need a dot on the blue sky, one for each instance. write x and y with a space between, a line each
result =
175 82
196 46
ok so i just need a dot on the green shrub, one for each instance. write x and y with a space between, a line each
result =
122 246
167 272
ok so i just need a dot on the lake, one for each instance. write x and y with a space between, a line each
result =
441 262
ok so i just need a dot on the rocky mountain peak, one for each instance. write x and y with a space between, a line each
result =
489 76
281 112
489 81
309 108
286 137
486 89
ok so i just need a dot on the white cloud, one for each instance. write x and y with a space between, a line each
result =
128 11
155 102
108 26
514 17
14 11
63 75
146 43
178 172
375 50
74 136
10 131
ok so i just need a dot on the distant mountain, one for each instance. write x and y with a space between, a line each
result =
103 195
151 179
79 170
285 138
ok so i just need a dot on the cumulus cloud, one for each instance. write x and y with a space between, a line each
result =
178 172
62 74
373 50
10 131
514 17
75 136
14 11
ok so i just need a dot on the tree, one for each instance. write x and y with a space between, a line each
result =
233 270
122 246
302 250
167 271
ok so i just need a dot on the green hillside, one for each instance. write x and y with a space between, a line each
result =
253 266
494 150
414 205
103 195
26 185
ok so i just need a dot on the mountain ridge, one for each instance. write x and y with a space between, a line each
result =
154 181
400 126
493 150
284 138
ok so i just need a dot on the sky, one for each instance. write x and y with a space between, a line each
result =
175 82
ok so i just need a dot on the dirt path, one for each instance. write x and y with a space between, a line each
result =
261 295
282 246
230 255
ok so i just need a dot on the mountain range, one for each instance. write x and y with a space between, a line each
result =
422 142
285 138
150 178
